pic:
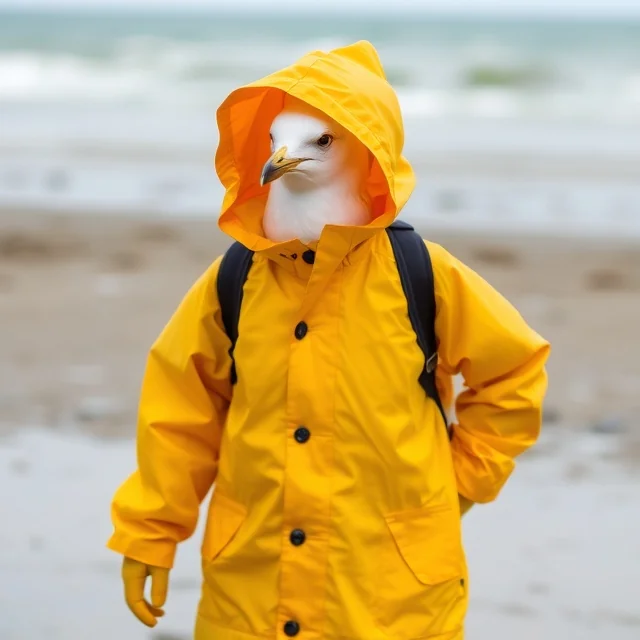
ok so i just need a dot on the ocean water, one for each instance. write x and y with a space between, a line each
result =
440 67
115 110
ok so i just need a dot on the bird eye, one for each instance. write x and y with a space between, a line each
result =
324 141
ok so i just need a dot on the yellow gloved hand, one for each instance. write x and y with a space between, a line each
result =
465 504
134 576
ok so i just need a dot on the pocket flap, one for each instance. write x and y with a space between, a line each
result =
223 521
429 540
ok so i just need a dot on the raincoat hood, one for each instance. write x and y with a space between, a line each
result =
349 86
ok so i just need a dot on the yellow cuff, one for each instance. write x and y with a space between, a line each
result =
157 553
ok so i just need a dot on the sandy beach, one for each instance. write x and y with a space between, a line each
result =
83 297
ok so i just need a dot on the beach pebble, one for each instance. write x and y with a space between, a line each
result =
607 279
608 426
93 409
551 415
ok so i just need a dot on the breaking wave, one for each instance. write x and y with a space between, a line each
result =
437 81
114 112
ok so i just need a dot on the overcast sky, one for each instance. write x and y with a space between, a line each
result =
573 7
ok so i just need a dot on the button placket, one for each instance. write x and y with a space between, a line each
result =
306 508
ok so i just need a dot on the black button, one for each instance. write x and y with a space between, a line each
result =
301 330
291 628
297 537
302 434
309 256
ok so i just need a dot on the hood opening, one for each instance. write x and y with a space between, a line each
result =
349 86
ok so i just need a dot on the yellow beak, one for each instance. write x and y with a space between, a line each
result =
277 165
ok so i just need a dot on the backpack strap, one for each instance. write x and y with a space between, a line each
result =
416 274
232 275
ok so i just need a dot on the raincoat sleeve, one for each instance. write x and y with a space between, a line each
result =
185 395
502 361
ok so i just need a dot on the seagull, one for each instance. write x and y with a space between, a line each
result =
317 175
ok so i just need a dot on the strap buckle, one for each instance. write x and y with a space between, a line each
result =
432 363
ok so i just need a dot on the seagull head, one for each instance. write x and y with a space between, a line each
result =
317 175
309 149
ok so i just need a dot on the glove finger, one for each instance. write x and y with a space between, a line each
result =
142 611
159 586
158 613
134 588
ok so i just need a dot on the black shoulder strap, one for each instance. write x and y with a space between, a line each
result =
232 275
416 274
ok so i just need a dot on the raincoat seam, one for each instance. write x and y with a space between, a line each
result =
302 76
386 253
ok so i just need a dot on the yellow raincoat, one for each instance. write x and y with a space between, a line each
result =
335 513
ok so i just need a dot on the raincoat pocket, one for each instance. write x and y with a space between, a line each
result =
421 574
223 521
429 541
